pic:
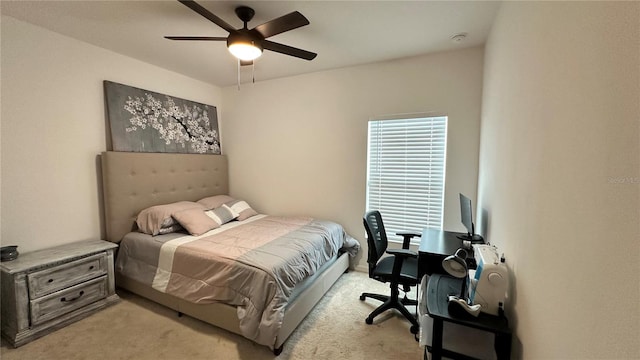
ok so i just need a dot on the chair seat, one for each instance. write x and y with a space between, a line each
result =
408 274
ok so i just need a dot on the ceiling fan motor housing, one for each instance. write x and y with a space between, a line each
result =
245 14
246 36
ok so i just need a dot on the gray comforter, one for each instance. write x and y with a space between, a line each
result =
252 264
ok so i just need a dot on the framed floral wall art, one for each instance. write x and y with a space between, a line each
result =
145 121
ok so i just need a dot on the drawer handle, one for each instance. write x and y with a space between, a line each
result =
50 281
73 299
91 267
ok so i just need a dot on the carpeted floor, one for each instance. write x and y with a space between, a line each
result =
136 328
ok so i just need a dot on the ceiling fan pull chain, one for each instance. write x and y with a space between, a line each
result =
253 71
238 74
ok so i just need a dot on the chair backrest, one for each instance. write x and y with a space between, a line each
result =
376 238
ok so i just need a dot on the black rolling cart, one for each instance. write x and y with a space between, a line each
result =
438 289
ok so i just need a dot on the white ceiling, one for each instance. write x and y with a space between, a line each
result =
343 33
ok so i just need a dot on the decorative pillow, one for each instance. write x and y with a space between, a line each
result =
222 215
242 208
215 201
152 219
195 221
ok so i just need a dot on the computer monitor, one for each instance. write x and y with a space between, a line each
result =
466 216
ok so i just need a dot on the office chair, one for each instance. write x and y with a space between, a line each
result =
399 269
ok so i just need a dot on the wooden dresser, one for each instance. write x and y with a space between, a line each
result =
45 290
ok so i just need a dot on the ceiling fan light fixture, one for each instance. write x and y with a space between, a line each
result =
245 51
243 46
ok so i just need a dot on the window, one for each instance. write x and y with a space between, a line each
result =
405 172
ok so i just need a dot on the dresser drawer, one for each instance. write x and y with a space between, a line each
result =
59 303
59 277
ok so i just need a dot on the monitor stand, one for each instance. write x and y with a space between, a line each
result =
475 238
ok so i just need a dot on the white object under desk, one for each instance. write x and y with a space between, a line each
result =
45 290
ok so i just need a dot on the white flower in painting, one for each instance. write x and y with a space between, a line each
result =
174 124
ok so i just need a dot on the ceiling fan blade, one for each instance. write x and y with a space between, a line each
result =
288 50
284 23
207 14
206 38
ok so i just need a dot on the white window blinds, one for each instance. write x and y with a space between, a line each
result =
406 171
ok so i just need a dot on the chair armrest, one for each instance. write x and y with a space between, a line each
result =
407 233
403 253
407 236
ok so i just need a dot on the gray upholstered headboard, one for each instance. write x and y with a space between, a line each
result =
135 181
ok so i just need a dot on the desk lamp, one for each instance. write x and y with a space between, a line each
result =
456 266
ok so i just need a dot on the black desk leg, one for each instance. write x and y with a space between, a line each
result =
502 345
436 340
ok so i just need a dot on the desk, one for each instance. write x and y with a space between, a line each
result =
436 245
438 289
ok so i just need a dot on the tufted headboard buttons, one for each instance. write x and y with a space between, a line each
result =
135 181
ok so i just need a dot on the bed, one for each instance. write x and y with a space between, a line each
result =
133 182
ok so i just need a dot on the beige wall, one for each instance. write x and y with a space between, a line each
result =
298 145
560 174
53 127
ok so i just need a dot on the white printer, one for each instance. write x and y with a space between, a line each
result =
488 283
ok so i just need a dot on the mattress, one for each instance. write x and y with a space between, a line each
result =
255 265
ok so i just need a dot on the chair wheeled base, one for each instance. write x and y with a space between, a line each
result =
392 302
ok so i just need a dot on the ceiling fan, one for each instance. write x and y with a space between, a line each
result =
247 44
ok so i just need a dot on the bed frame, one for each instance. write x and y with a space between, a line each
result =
135 181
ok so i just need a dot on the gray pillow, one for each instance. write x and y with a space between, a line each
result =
222 215
242 208
171 228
